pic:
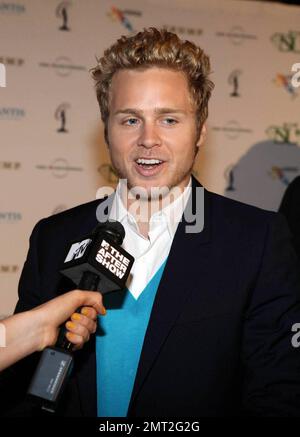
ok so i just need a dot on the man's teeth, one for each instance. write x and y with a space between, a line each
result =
148 161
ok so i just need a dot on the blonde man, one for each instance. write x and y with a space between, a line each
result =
203 327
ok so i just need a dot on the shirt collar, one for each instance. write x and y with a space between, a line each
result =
171 214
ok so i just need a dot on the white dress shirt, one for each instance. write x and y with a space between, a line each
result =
151 252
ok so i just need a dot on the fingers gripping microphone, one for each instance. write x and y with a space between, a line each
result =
98 262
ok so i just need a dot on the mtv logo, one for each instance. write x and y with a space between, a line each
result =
2 335
2 76
77 250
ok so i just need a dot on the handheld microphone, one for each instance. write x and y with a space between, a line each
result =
97 262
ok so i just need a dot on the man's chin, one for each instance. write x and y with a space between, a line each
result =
148 192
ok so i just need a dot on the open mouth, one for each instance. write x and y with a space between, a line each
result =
148 167
149 163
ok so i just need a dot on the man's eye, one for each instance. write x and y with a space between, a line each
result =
131 121
170 120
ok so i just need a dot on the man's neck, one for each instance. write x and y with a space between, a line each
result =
143 209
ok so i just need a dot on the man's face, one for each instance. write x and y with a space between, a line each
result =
152 117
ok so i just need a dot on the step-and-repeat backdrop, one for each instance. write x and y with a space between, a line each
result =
53 155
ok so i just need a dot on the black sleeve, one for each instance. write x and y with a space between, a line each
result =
290 208
271 362
29 284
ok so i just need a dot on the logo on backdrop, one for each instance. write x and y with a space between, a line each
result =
60 115
7 113
287 42
10 217
236 35
121 16
182 30
232 130
283 174
63 66
10 165
229 177
286 133
109 174
9 268
284 81
234 81
10 61
59 168
12 8
295 80
62 13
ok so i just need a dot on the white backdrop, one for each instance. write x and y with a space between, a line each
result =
52 151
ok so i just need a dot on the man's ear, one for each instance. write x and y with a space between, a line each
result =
202 136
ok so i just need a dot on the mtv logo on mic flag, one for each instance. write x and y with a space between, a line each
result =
2 335
77 250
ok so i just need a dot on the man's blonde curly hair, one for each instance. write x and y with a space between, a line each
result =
155 48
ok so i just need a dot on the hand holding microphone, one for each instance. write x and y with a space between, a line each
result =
54 313
38 328
98 263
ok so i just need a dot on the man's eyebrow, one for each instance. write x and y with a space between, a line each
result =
170 111
159 111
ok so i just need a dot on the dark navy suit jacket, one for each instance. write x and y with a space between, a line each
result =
218 341
290 208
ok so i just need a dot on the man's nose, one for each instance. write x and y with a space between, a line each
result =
149 136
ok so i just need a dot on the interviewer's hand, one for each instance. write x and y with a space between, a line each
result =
38 328
62 308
